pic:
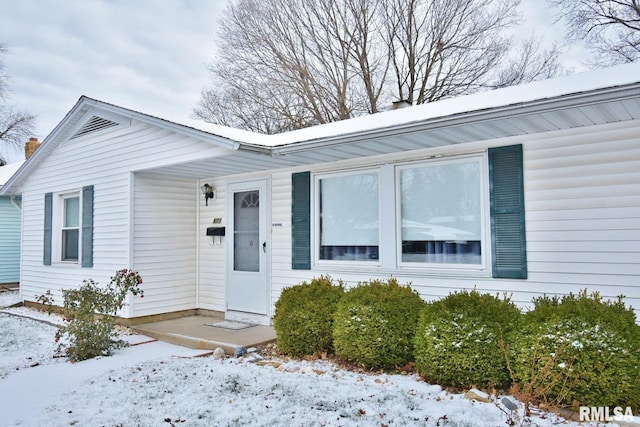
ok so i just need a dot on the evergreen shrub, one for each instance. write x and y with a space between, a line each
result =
580 350
375 324
461 340
303 319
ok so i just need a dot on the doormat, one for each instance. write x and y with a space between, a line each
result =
228 324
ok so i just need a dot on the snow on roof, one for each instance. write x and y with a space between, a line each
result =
7 171
544 89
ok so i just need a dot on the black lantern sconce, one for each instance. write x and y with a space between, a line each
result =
208 192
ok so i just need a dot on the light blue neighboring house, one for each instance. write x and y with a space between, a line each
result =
9 229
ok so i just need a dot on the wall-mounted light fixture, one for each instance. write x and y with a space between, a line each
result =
208 192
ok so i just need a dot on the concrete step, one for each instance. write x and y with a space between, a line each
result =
193 332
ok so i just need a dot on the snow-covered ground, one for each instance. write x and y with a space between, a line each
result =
155 384
8 298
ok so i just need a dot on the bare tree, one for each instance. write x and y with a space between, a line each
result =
3 75
611 28
529 62
289 64
15 126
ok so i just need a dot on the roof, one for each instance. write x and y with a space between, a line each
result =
616 76
586 99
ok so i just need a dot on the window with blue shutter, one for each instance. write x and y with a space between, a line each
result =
74 232
87 226
48 229
508 234
71 227
301 221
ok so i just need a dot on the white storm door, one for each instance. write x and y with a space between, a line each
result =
248 248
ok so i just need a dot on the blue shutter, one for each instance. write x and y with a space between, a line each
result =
87 226
301 221
508 235
48 230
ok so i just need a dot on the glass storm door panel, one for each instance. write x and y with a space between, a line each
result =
248 248
246 231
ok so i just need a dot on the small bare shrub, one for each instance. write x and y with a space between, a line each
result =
90 313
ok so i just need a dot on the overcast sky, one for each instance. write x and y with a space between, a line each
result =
146 55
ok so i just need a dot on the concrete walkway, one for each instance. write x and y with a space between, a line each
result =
196 332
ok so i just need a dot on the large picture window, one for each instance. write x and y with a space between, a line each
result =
348 207
441 212
461 215
70 228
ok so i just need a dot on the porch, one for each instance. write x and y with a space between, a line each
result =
207 333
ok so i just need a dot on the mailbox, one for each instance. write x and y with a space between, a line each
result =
216 231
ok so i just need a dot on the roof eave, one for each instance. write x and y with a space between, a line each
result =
163 123
575 100
83 104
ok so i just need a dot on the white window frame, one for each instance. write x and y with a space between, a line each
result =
449 269
315 210
58 212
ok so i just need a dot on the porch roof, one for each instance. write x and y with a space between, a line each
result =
597 97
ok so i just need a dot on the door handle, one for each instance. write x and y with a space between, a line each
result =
264 247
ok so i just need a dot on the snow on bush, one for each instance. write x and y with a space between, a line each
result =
461 339
375 324
579 351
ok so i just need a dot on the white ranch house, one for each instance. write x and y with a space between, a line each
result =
528 190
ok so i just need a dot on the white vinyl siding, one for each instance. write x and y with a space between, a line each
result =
582 202
110 240
104 160
164 243
212 256
281 273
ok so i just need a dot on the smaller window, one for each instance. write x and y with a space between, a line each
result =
441 213
70 228
348 225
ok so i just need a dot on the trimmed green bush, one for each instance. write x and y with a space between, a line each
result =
579 350
460 340
375 324
304 317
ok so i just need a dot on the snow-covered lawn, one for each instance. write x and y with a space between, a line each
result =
155 384
24 343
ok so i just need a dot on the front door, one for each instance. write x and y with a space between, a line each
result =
248 247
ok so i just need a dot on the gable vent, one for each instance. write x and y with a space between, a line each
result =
93 125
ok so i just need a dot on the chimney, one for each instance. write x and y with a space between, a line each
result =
30 147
